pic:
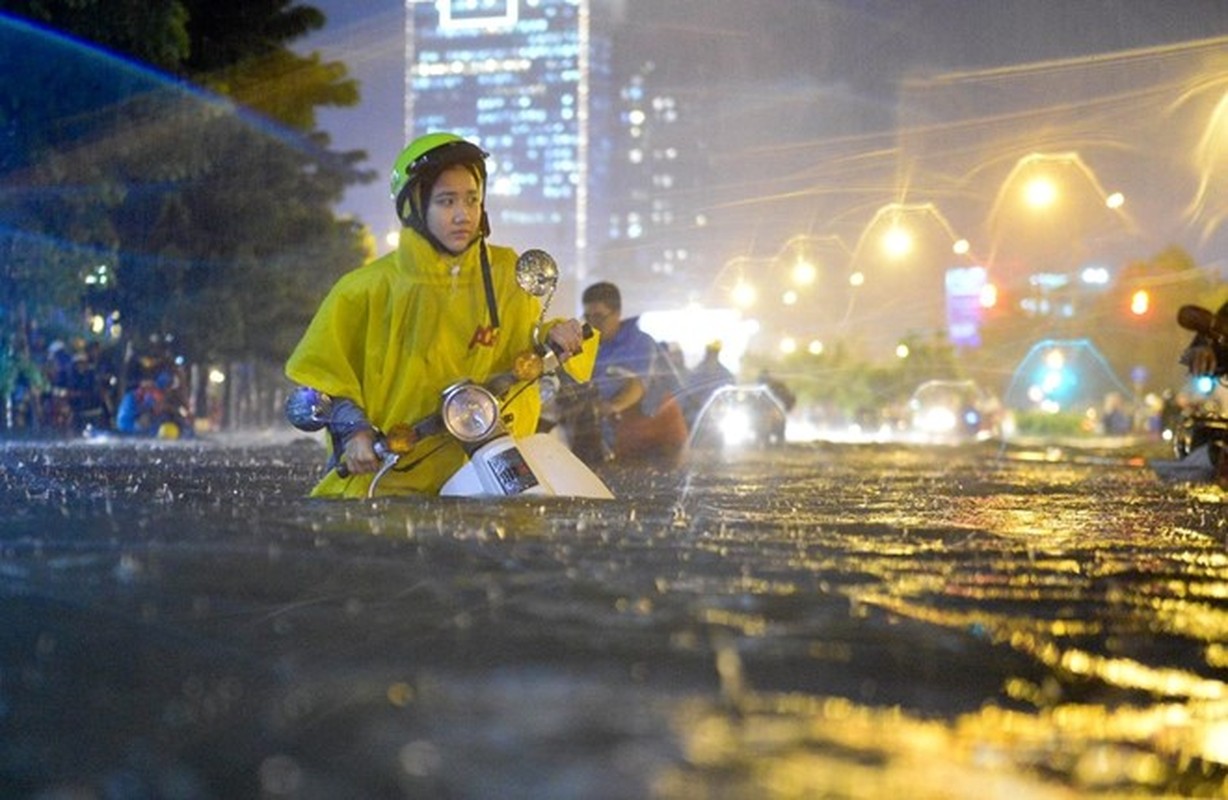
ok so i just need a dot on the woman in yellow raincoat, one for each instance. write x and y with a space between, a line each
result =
445 306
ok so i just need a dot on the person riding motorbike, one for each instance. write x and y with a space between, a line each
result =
445 305
641 417
1202 426
1205 355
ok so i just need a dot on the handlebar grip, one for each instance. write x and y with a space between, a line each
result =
586 331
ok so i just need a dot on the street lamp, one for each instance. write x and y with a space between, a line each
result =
897 242
1040 192
1044 182
899 223
734 281
804 272
743 293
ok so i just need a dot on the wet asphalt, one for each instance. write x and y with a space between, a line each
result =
817 620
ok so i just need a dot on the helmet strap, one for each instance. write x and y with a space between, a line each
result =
491 304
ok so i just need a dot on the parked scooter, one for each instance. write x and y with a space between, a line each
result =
471 414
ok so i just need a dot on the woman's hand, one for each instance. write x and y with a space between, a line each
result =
359 453
567 337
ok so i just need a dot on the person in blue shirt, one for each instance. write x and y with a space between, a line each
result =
636 390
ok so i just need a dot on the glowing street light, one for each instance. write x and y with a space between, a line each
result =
1040 192
897 242
1024 224
804 272
895 228
743 294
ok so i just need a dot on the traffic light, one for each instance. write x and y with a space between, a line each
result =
1140 303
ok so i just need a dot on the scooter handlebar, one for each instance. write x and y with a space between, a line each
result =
381 445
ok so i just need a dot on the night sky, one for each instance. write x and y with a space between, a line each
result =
859 49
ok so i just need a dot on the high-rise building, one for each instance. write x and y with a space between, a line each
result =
648 245
528 81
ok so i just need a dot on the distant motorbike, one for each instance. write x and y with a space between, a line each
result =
471 413
1201 430
747 415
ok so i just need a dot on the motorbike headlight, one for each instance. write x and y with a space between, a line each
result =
736 427
470 412
937 419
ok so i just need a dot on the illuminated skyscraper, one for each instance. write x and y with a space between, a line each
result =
528 80
653 241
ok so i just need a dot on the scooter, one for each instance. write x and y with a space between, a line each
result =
1200 433
471 413
738 416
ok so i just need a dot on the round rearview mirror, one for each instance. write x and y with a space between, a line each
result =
537 272
308 409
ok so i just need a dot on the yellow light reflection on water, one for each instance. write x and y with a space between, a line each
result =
794 745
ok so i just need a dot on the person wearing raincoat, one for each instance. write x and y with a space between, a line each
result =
444 306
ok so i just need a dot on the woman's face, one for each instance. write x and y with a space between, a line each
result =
454 212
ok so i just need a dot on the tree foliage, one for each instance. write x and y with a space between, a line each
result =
211 211
153 32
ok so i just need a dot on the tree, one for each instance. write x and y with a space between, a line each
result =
213 213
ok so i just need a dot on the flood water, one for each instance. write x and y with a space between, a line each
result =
821 620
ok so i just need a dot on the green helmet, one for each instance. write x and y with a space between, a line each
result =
419 164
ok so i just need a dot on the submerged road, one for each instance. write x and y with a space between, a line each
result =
855 621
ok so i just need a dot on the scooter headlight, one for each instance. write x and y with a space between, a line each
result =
470 412
736 427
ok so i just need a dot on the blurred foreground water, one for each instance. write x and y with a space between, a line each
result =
854 621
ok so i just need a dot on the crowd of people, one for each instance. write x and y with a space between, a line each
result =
81 388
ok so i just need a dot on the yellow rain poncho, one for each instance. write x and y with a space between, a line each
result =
391 335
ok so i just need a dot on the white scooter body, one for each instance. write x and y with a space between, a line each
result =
538 465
